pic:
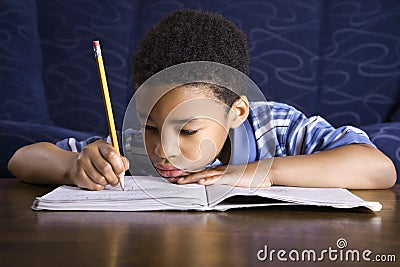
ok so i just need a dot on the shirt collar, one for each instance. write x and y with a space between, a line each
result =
243 148
243 144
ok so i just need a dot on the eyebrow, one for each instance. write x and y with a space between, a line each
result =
142 115
183 121
175 121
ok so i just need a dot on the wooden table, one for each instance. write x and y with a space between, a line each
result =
232 238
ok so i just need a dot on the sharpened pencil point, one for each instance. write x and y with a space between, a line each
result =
122 183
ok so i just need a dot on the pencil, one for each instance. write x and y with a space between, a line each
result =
107 101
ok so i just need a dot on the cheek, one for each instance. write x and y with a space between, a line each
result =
220 141
207 146
189 147
218 134
150 142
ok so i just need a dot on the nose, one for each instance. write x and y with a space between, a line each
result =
159 151
166 148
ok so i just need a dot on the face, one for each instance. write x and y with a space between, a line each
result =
185 131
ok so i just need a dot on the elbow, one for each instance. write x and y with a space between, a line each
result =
377 170
385 171
390 172
13 163
17 164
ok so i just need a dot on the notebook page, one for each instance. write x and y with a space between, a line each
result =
141 193
333 197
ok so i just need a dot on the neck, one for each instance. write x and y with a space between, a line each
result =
225 154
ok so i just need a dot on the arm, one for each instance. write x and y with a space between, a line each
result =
44 163
351 166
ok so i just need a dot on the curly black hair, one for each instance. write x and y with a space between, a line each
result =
192 35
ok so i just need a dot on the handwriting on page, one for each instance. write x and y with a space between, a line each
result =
158 187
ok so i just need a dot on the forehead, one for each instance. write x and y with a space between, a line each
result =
187 92
184 103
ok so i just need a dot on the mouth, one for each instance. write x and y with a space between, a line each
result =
169 171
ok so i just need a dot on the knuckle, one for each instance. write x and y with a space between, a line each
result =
114 182
127 163
194 179
85 150
108 151
98 141
104 147
106 167
80 163
101 180
79 184
97 187
119 168
80 158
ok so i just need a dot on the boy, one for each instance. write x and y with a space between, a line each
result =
309 152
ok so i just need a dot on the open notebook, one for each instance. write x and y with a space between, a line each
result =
144 193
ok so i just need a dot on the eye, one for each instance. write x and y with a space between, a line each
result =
188 132
150 128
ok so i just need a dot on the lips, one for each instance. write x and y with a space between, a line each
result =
169 170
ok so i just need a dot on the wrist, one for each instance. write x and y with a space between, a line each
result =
273 173
69 170
262 173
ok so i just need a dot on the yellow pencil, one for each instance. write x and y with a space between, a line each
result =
107 101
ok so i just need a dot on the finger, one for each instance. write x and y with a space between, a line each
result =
227 179
211 180
87 183
95 187
111 155
126 163
96 177
106 170
194 178
172 180
238 181
84 169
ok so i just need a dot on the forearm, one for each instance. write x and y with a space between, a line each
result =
351 166
42 163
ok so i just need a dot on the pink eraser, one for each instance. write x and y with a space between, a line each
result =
96 43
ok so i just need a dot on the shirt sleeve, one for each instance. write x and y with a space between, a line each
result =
71 144
310 135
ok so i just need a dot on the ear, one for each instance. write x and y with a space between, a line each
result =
239 111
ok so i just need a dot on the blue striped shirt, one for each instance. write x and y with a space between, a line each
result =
296 134
272 130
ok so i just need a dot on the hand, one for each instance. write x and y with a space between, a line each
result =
97 165
254 174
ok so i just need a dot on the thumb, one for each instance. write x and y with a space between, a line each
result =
126 163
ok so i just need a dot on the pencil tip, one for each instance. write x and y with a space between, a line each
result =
121 182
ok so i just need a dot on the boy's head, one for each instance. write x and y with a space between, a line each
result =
187 127
192 35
